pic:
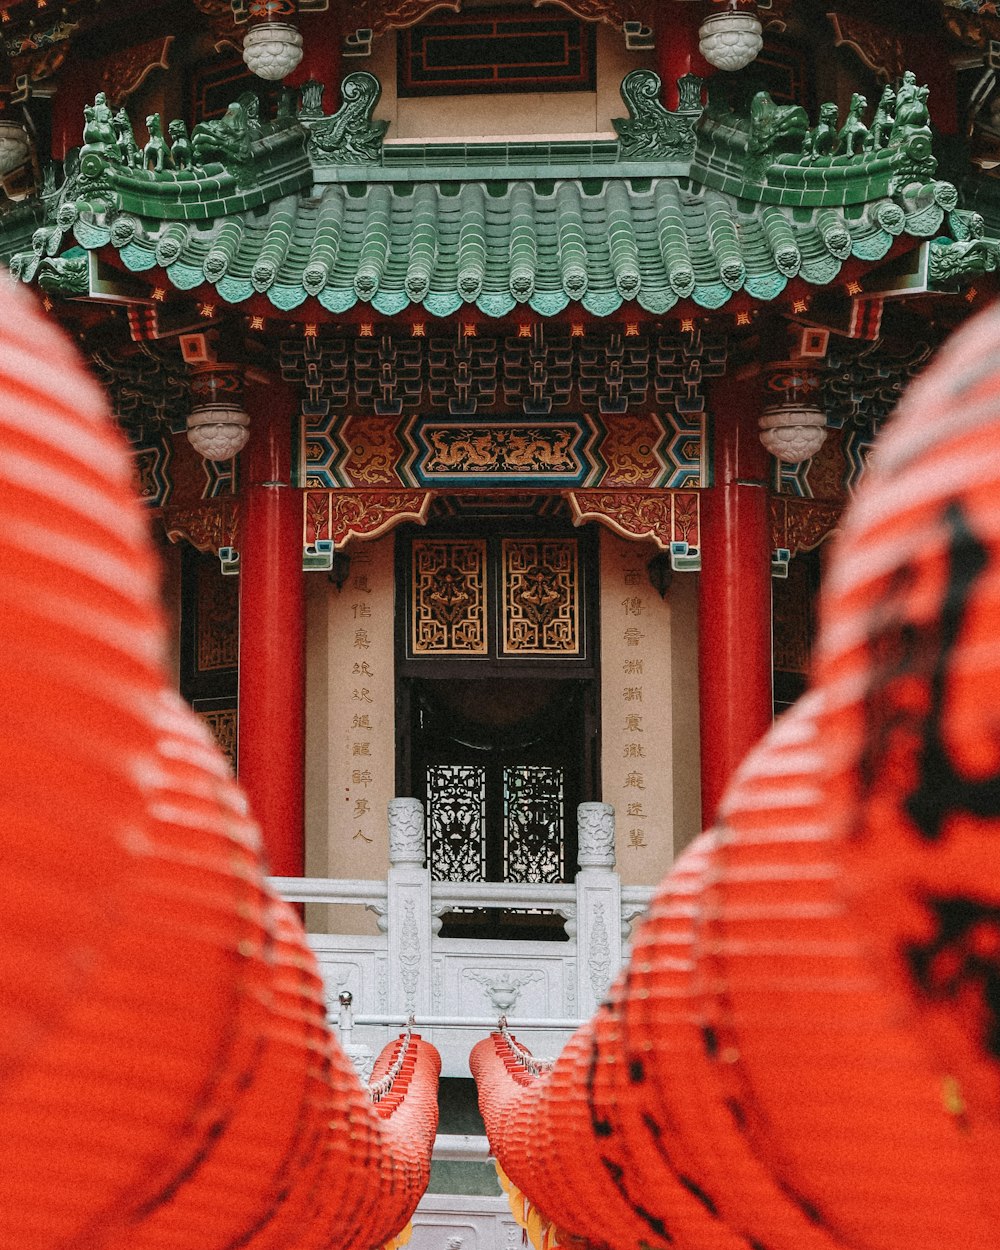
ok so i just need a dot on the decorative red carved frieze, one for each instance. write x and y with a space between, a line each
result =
338 515
125 71
383 15
669 517
801 524
210 526
878 48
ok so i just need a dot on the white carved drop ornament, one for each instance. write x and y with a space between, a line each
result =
731 38
15 153
793 432
272 50
218 431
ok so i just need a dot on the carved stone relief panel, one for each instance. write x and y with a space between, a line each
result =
524 984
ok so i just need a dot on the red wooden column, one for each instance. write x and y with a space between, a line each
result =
322 39
677 52
734 609
78 83
272 631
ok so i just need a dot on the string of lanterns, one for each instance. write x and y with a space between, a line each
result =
804 1051
167 1077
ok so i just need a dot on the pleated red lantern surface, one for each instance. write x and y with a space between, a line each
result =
166 1075
409 1116
606 1146
910 660
658 1129
804 1049
753 1080
681 1076
826 1066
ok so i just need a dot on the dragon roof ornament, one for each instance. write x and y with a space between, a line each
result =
309 205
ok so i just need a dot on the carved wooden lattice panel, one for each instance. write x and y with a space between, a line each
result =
223 724
448 614
456 822
218 636
534 846
541 597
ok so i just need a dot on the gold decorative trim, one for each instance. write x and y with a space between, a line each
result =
448 597
541 596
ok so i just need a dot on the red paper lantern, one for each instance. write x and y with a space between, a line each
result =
167 1078
805 1048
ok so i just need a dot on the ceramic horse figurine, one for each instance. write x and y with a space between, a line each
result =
155 151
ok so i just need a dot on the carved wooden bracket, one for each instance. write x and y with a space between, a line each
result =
801 524
126 71
382 15
878 48
671 518
210 526
332 517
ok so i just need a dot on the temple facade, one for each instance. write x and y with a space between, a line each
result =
493 376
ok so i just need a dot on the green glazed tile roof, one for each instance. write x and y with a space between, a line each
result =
689 204
652 240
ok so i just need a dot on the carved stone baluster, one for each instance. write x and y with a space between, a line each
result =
598 905
406 832
409 911
596 835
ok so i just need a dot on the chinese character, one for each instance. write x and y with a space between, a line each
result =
361 807
632 605
364 695
360 609
362 670
635 781
360 582
633 751
633 577
361 639
361 777
632 694
633 666
360 720
633 724
360 748
361 835
637 838
632 636
636 810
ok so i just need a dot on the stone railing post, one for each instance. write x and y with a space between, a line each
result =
598 905
409 911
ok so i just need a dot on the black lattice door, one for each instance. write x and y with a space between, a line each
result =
497 697
500 794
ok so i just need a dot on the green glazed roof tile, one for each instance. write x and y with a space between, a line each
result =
501 245
596 243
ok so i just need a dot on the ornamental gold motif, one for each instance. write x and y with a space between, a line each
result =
448 599
541 601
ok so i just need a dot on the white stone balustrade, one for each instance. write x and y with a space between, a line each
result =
458 987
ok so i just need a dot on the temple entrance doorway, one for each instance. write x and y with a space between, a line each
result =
497 704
